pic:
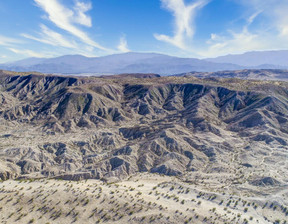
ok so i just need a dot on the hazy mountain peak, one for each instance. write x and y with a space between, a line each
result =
26 62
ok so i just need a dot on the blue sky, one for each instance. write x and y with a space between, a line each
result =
185 28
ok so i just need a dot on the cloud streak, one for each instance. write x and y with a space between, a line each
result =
28 52
252 35
184 16
235 43
8 41
275 10
67 19
272 36
51 37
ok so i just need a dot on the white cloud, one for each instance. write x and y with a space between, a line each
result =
282 20
184 16
270 34
51 37
7 41
29 53
123 46
275 12
235 43
273 36
80 17
251 19
67 19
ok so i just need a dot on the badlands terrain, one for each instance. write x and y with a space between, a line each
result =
143 149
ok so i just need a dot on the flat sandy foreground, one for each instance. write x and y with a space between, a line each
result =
145 198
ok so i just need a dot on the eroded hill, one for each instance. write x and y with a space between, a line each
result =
229 132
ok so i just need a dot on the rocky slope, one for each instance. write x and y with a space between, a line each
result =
254 74
111 128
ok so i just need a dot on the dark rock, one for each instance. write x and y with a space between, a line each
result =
75 176
126 150
247 165
164 169
188 154
116 162
265 181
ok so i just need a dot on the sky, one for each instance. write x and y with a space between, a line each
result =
183 28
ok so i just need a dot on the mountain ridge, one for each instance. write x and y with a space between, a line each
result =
255 58
119 63
134 62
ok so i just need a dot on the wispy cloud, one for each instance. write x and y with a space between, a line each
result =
272 36
8 41
51 37
67 19
234 42
275 10
281 18
79 16
252 35
29 53
184 20
123 46
251 18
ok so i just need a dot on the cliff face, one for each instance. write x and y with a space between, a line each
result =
75 128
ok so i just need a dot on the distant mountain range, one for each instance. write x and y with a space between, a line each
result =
149 63
263 59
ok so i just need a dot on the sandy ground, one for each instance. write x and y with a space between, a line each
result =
144 198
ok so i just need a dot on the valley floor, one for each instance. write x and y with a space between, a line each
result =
143 198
